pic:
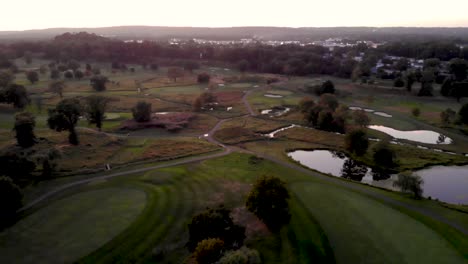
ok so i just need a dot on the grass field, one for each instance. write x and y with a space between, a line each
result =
72 227
328 222
143 217
364 231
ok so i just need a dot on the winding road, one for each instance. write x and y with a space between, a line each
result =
229 149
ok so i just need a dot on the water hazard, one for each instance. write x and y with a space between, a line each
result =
446 183
422 136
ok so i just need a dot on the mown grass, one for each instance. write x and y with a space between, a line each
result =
72 227
329 222
361 230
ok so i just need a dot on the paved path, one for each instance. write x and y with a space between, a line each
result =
229 149
108 176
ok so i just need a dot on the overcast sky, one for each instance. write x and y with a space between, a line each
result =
37 14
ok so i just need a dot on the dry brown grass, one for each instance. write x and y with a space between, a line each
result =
318 137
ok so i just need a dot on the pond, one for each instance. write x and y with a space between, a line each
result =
276 111
446 183
356 108
272 134
422 136
273 95
382 114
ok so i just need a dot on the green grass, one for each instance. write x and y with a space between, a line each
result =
72 227
328 223
361 230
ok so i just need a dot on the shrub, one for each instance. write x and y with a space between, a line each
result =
208 250
243 255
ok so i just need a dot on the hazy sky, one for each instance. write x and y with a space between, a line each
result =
35 14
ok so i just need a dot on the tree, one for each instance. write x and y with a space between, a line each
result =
197 104
447 116
175 72
268 200
68 75
208 250
426 83
306 104
54 74
10 201
24 128
402 64
27 57
463 114
73 65
203 78
142 111
43 69
426 89
64 116
447 86
398 82
459 90
326 87
95 110
215 223
15 94
243 65
154 66
32 76
410 183
361 118
384 156
329 100
57 87
356 142
78 74
98 82
191 65
410 78
458 68
431 63
416 111
6 78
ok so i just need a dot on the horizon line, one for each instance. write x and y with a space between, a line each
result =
224 27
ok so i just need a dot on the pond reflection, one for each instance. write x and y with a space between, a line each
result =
353 170
446 183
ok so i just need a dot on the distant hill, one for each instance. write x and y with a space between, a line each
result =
266 33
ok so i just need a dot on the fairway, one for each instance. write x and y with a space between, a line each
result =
361 230
72 227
